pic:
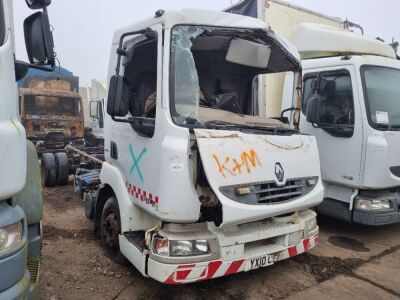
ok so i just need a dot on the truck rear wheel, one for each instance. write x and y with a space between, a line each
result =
110 231
62 168
48 169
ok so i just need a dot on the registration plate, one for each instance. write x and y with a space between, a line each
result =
259 262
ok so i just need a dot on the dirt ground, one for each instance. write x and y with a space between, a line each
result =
350 262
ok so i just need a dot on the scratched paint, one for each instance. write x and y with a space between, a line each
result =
136 161
235 166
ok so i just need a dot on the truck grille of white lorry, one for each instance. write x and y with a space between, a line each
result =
270 192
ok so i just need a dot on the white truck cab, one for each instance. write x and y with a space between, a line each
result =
350 104
197 184
21 207
355 119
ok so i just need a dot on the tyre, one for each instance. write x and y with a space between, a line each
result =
88 203
62 168
48 169
110 230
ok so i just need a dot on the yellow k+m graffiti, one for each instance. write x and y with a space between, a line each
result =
234 166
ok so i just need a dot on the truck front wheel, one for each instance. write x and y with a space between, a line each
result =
110 231
48 169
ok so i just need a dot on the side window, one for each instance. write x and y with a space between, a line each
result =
308 91
141 72
336 97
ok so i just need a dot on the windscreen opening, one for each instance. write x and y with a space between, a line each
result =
212 83
56 106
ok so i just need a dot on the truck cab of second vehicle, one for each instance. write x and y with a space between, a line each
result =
351 92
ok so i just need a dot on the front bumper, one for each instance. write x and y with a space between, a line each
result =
187 273
378 218
241 249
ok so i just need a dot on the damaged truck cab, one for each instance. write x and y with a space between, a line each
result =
197 184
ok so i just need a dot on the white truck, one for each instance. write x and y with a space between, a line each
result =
93 108
351 89
197 184
20 186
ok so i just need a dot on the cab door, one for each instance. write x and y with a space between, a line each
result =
339 130
135 145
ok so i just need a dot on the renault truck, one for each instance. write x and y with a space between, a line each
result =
20 184
350 93
197 183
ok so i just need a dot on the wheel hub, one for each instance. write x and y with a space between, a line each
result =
111 230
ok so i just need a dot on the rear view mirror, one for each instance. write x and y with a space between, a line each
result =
37 4
312 113
118 96
39 39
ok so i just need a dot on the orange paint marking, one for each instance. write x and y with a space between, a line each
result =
249 161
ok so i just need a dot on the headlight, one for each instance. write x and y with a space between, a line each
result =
10 237
164 247
363 204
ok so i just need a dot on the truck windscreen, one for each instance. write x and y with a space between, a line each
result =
56 106
382 95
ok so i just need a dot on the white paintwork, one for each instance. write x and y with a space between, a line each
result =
166 162
317 40
368 155
298 156
12 133
97 91
133 254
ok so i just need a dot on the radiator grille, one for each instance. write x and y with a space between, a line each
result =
270 192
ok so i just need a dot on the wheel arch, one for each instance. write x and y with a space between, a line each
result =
133 218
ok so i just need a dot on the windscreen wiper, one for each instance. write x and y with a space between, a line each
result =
233 126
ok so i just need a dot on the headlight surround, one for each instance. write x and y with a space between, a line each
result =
180 248
11 237
366 204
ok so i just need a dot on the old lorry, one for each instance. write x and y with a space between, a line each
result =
197 183
52 113
20 187
350 105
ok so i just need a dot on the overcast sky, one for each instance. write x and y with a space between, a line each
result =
83 29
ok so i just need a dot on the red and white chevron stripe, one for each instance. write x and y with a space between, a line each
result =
219 268
142 195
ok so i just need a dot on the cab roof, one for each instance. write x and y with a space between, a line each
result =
316 40
207 18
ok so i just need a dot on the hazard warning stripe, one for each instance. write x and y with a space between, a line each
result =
219 268
142 195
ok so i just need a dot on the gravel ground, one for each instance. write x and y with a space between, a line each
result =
350 262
